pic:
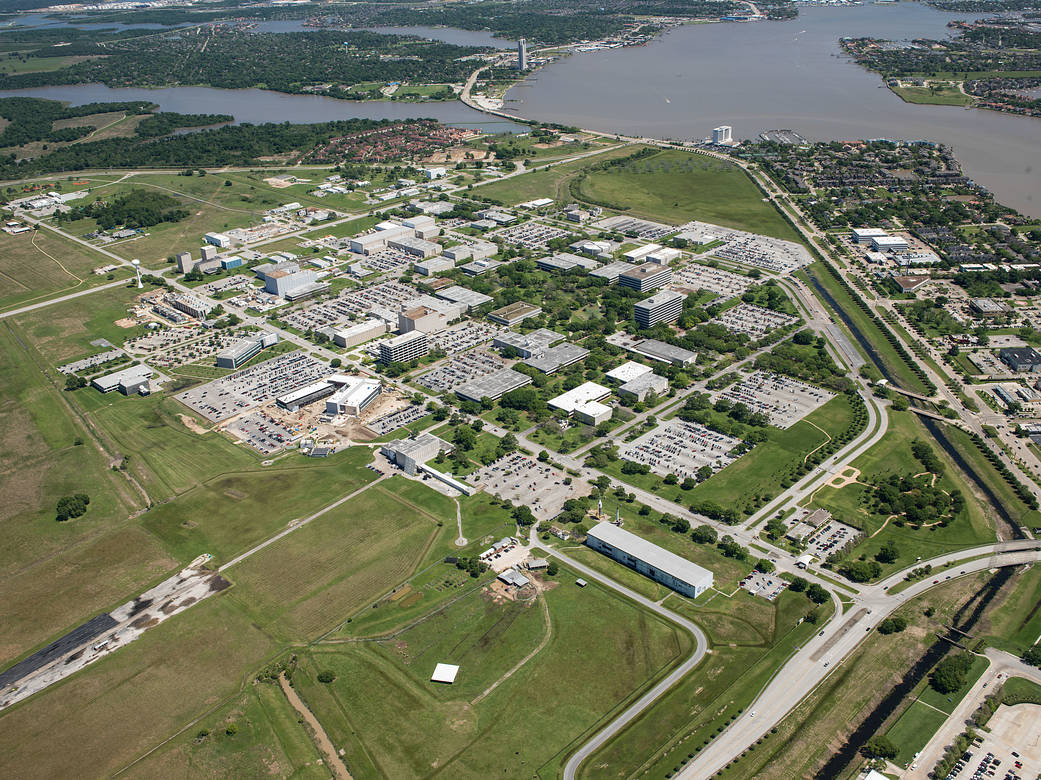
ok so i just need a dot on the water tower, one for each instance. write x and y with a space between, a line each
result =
137 269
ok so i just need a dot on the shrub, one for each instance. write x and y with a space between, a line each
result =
326 676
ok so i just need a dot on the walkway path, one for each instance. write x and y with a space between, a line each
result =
520 664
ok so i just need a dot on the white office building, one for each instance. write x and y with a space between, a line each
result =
650 560
722 135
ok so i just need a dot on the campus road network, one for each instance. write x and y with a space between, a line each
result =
818 658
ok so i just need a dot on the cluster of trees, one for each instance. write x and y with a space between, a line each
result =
70 507
892 625
291 62
809 363
950 674
1021 490
32 119
925 455
861 571
472 565
135 209
915 500
166 122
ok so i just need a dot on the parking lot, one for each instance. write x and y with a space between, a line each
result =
725 284
524 480
773 254
531 235
769 586
463 336
833 537
783 399
225 397
681 448
756 321
90 362
350 304
262 432
395 420
641 228
461 369
1011 738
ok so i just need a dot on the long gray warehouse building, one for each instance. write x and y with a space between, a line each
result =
649 559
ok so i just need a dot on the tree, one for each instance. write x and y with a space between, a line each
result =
861 571
1032 656
73 382
949 675
71 506
816 593
888 554
704 534
552 569
892 625
879 746
523 516
326 676
798 585
764 565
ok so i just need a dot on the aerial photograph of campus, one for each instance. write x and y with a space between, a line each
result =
536 389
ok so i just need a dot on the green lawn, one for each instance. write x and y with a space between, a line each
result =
676 187
913 730
941 95
1015 624
405 725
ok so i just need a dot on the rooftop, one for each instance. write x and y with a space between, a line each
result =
650 553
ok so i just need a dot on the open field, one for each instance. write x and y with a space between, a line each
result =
332 566
1014 624
675 187
938 95
406 726
39 264
229 513
269 740
892 455
550 183
749 638
820 724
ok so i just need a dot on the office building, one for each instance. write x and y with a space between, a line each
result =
889 244
358 334
128 381
192 306
513 313
643 385
612 271
866 235
649 559
639 253
227 263
308 394
558 357
282 282
421 318
666 353
208 253
628 371
493 385
646 277
234 356
583 403
1021 359
407 346
218 240
522 54
410 454
434 265
665 306
353 395
527 344
724 134
185 263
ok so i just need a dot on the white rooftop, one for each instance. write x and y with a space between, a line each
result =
628 371
444 673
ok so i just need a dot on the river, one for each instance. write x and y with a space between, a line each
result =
260 105
792 74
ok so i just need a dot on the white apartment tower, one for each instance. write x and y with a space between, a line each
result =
522 54
722 135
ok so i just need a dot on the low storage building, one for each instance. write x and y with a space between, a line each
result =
650 560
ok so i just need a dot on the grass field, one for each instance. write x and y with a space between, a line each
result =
270 741
1015 623
820 723
749 638
406 727
37 265
550 183
892 455
937 95
676 187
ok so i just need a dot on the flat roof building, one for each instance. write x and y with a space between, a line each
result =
666 353
866 235
493 386
308 394
354 396
889 244
583 403
665 306
416 247
527 344
650 560
644 385
612 271
513 313
470 299
421 318
128 381
628 371
646 277
409 454
639 253
407 346
555 358
1021 359
434 265
237 354
192 306
358 334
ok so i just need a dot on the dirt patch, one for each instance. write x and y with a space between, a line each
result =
400 593
192 424
324 744
145 621
238 495
126 322
277 183
218 583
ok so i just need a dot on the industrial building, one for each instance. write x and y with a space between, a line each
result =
665 306
208 253
417 247
283 283
583 403
353 395
513 313
666 353
1021 359
646 277
227 263
305 395
650 560
128 381
866 235
358 334
407 346
185 263
638 254
434 265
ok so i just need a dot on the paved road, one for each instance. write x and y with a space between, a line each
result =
655 693
843 634
69 297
